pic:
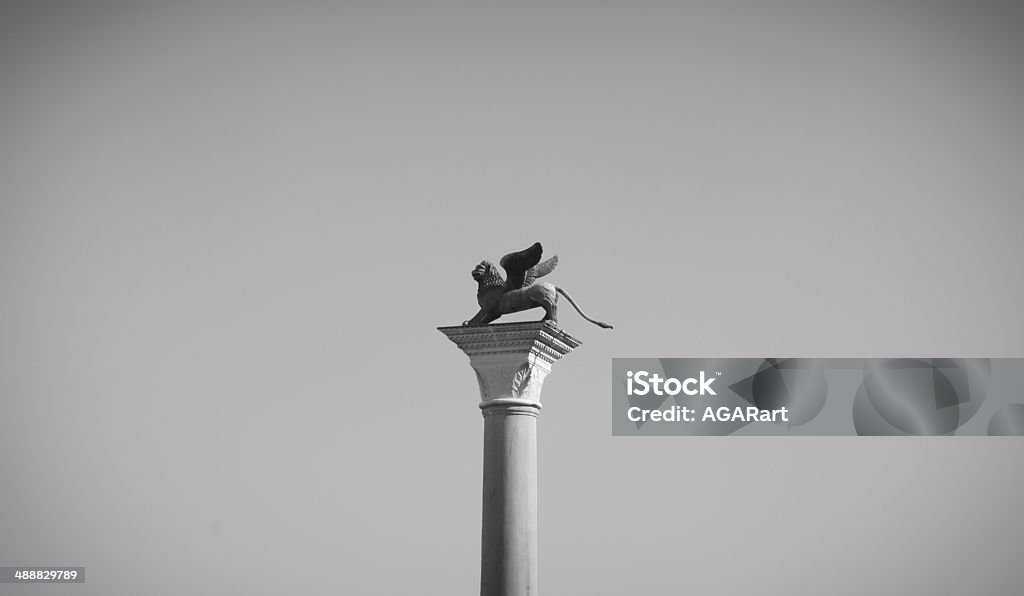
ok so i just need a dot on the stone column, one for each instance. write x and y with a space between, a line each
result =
510 361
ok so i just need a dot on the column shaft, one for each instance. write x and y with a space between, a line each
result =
509 537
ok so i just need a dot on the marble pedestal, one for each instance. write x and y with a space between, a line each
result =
511 361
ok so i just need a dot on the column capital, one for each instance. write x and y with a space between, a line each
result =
512 359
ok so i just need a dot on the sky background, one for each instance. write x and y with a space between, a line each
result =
228 231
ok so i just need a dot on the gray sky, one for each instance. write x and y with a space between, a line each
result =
228 231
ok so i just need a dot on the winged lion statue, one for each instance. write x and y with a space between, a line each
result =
521 291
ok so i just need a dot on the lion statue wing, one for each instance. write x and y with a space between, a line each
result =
518 264
540 270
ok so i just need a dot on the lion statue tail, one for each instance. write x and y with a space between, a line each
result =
580 310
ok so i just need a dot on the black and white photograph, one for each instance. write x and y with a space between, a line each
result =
511 298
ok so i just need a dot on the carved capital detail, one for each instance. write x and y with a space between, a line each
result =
511 360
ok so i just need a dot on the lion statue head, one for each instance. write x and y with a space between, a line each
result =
483 270
486 274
